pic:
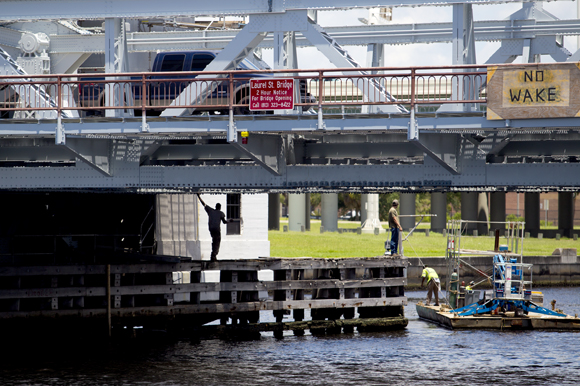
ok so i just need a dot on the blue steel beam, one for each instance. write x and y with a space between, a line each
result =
439 123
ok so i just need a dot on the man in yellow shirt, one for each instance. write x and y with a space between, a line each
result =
433 284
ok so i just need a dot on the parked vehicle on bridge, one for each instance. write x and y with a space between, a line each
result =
162 90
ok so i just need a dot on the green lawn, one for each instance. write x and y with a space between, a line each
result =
332 244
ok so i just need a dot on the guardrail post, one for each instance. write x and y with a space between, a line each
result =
413 133
321 125
59 137
232 135
144 97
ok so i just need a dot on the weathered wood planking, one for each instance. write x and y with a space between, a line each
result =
142 290
374 323
185 309
533 91
201 287
230 265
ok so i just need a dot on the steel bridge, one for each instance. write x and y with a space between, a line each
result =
357 128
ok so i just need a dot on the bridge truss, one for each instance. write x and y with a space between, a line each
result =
371 129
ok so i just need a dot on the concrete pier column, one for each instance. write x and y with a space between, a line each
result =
296 212
482 214
439 207
274 211
566 213
407 207
532 213
175 231
497 209
308 209
469 201
369 213
329 219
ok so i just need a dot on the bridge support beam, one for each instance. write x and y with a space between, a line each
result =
329 217
407 207
532 213
439 207
566 213
497 210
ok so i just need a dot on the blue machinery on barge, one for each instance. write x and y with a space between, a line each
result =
510 305
509 291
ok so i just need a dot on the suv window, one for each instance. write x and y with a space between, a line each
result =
200 61
173 62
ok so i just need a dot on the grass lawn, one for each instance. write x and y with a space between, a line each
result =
333 244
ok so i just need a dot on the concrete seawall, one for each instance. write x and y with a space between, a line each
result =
553 270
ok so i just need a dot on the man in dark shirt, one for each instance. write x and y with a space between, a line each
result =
215 218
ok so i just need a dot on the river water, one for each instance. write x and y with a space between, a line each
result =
422 354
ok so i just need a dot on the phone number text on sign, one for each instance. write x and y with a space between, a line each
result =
271 94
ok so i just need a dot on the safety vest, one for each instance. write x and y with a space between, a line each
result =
429 273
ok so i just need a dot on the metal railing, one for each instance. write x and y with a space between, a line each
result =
224 92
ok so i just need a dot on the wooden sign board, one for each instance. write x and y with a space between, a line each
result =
533 91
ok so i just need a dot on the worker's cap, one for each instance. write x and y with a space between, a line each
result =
395 202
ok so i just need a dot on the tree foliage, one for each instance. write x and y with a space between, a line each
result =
349 202
385 202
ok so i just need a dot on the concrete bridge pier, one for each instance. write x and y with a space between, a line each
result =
369 213
298 211
329 218
469 210
474 208
565 213
532 213
407 207
439 207
274 211
497 209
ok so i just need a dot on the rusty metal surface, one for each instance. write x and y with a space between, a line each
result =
152 92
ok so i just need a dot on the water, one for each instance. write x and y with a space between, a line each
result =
422 354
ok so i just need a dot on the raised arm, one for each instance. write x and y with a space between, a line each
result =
200 200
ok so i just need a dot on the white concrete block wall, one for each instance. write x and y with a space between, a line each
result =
177 226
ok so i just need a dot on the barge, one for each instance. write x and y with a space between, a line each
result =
510 305
509 320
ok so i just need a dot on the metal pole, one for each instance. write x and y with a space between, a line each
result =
108 271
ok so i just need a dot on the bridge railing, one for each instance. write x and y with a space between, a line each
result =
360 90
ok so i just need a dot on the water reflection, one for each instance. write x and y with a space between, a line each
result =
422 354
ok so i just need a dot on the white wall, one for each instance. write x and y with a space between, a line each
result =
176 228
252 242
